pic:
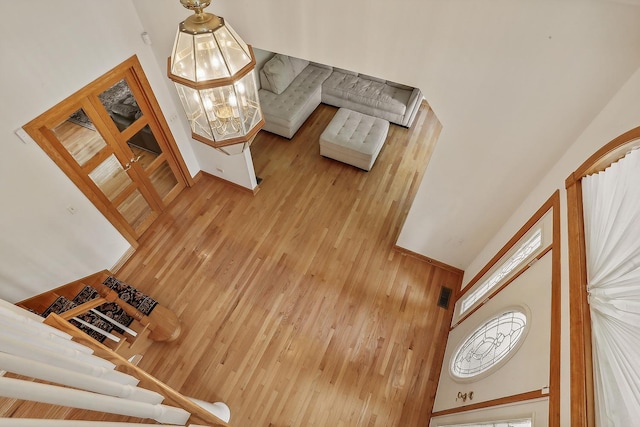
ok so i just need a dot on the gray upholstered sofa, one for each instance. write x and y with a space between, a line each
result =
372 96
292 88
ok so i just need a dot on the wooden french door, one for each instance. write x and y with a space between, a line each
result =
111 139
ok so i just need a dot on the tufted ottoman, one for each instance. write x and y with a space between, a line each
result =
354 138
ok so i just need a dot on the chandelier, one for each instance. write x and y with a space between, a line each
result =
213 71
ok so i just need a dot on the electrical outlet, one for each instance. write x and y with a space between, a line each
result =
72 210
220 170
23 135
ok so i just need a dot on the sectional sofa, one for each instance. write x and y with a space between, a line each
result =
292 88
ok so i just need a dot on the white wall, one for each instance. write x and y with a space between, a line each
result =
50 49
528 368
516 96
617 117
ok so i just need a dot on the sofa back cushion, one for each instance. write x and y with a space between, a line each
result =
278 73
373 79
298 65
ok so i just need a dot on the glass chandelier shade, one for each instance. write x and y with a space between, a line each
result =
213 71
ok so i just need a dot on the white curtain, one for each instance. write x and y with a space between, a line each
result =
611 202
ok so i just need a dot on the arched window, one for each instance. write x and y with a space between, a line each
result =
585 358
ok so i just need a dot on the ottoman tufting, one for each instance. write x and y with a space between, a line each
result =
354 138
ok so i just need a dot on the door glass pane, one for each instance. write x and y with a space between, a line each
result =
110 177
163 179
135 209
122 106
146 144
79 137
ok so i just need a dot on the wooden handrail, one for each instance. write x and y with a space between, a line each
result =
82 308
199 415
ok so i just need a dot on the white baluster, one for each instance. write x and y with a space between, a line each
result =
98 330
94 366
37 422
49 342
14 320
115 322
70 378
7 306
54 395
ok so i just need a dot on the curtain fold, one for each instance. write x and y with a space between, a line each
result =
611 204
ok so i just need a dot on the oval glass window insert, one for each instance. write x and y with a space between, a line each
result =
489 345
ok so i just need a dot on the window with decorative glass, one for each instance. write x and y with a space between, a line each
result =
490 345
522 254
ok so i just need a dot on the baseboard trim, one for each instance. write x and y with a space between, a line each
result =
429 260
202 173
522 397
123 259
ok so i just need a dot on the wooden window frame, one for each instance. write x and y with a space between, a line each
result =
553 203
582 391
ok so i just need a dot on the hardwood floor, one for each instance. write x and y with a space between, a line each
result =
296 309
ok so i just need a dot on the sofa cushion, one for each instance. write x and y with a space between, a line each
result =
399 86
343 71
278 73
125 110
298 65
375 79
378 96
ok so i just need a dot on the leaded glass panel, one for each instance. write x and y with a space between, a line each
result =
522 254
489 344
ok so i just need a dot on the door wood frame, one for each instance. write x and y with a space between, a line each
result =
131 70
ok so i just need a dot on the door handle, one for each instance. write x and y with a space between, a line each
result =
131 162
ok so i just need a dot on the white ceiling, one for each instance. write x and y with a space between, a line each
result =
514 83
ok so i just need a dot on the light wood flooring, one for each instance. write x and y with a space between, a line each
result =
296 309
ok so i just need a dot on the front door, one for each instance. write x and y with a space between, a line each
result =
110 138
